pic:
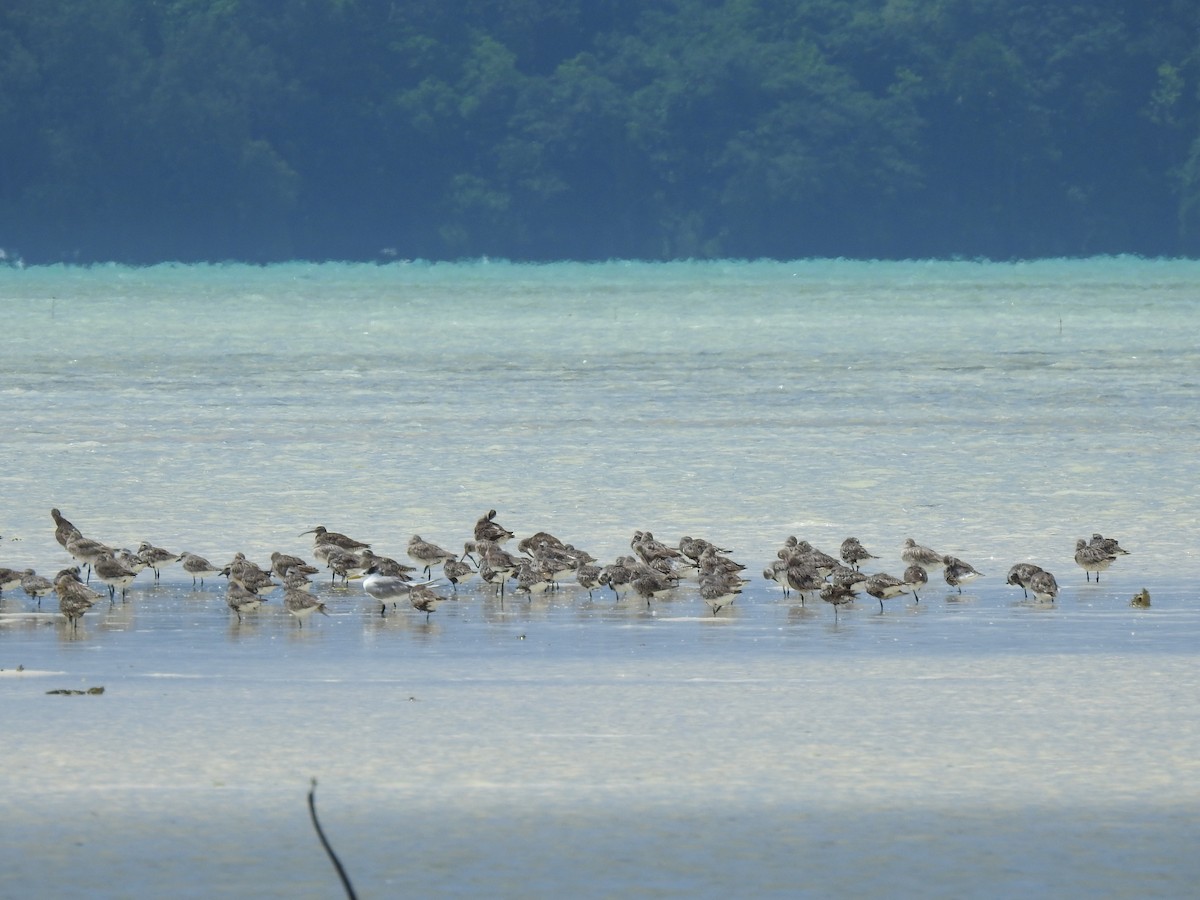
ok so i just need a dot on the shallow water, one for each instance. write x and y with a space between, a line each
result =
968 745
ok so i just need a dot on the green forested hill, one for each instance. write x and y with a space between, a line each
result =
147 130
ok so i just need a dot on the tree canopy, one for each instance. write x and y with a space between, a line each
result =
148 130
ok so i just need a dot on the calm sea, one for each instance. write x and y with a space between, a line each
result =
965 745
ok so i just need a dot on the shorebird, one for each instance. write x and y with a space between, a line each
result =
495 563
588 577
130 560
915 578
926 557
35 585
74 597
282 564
694 548
155 557
10 578
1043 585
424 600
113 573
712 562
249 575
557 561
884 587
817 559
242 600
346 565
388 566
325 536
649 583
837 595
198 567
718 591
526 545
853 553
803 579
86 551
240 565
923 556
73 607
649 549
64 531
1108 545
1019 575
777 572
302 604
617 575
488 529
297 581
322 552
1092 559
427 554
957 573
457 572
532 577
491 577
847 577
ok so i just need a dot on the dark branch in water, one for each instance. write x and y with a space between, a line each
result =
337 863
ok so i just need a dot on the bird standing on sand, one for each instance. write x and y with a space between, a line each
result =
1019 575
241 599
837 595
883 586
198 567
1043 585
74 597
155 557
719 590
915 578
588 577
113 573
1092 559
427 554
35 585
424 600
803 579
957 573
457 572
302 604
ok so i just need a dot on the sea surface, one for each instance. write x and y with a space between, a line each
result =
973 744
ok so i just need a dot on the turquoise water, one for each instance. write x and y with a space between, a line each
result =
963 745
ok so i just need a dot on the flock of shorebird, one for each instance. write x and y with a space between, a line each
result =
541 563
